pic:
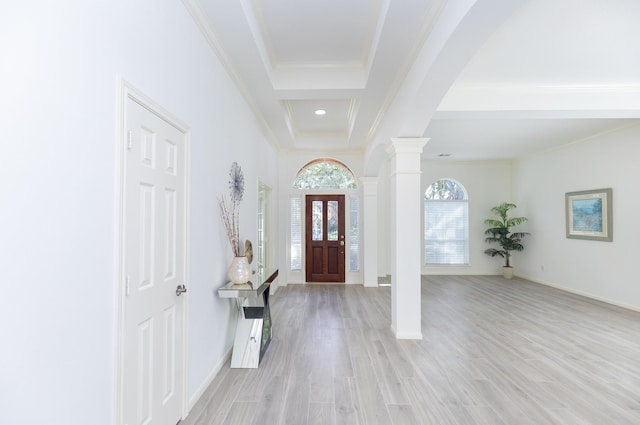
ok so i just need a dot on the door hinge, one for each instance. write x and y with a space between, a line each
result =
130 139
126 286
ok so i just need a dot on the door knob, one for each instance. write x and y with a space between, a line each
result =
180 289
341 243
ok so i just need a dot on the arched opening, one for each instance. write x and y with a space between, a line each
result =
325 222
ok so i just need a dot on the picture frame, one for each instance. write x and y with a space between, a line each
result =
589 215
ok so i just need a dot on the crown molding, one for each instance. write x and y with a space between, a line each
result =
202 22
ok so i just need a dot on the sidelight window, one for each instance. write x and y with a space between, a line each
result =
263 248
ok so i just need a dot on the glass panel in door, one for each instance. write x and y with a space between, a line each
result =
332 220
316 229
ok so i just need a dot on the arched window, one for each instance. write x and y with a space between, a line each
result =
446 223
325 173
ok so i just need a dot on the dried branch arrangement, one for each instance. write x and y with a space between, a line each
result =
230 210
230 215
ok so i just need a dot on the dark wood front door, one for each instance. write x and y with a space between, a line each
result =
325 241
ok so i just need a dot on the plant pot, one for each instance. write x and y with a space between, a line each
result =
507 272
239 271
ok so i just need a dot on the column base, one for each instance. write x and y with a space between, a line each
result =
406 335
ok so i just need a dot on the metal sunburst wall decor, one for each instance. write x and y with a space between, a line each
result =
236 184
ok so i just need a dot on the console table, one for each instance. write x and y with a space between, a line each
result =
253 329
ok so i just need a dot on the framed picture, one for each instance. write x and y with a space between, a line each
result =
589 215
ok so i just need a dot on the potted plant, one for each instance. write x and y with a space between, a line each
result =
500 233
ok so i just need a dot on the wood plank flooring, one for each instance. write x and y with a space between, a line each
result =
494 352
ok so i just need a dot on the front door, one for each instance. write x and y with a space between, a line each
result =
154 265
325 241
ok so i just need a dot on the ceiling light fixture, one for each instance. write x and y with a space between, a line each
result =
320 112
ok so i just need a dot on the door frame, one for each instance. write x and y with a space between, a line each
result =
342 225
126 91
299 276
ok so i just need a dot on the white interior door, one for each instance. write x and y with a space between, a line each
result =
154 265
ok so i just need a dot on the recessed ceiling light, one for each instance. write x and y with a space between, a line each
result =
444 155
320 112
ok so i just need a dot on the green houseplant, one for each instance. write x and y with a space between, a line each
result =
500 233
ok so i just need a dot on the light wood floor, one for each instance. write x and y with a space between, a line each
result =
494 352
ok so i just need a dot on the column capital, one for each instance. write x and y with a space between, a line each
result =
406 145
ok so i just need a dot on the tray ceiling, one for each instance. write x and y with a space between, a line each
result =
483 79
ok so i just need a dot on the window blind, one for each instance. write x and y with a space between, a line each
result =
446 232
354 233
296 233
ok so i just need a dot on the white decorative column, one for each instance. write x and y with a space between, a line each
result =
405 235
370 230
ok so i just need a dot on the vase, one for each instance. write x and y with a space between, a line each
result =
507 272
239 271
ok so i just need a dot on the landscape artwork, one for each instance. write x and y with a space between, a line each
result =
588 215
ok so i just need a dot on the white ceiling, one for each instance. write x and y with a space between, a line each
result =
484 79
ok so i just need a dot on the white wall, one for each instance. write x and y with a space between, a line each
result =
58 84
602 270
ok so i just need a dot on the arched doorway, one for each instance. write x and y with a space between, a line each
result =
325 237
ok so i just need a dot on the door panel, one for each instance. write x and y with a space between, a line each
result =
333 265
154 252
325 238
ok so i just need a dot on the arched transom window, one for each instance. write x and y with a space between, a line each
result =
445 190
446 223
325 173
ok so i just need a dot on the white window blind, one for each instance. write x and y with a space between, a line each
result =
354 233
296 233
446 232
263 226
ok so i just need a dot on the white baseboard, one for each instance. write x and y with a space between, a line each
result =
442 273
207 382
581 293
